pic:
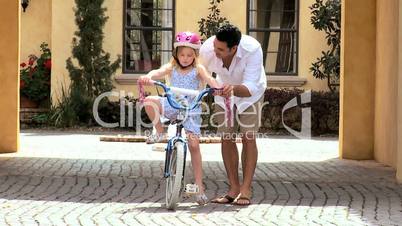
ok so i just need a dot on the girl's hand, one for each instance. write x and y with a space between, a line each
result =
217 91
145 80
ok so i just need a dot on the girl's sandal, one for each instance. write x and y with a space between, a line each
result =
201 199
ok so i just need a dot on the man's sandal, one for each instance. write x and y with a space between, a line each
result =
225 199
246 201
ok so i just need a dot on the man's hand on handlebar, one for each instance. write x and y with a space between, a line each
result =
225 91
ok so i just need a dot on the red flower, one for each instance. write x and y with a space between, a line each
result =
48 64
32 59
35 75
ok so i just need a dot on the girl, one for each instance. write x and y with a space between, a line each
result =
183 71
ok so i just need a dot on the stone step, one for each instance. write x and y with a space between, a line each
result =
140 138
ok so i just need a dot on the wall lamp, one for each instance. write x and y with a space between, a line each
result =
24 4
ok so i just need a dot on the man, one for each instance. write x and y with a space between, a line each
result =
238 62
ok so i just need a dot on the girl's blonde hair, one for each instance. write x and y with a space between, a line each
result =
173 64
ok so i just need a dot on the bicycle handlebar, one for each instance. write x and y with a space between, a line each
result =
198 95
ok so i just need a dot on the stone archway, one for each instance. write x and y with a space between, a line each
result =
9 75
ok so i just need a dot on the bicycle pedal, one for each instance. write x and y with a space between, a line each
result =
191 189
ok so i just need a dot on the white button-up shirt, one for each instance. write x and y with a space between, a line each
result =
246 69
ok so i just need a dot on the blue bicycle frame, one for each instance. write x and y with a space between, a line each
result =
178 137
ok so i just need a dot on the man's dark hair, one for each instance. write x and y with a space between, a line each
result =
230 34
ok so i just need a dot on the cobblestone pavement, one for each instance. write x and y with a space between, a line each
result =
67 179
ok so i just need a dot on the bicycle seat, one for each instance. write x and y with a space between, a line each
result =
166 121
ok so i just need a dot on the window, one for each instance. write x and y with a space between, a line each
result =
274 23
148 31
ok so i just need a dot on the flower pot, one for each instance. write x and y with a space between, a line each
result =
25 102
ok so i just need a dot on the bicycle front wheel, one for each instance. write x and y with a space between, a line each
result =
174 181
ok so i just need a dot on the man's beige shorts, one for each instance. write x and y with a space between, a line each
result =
247 123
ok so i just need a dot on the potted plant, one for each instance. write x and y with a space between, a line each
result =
35 78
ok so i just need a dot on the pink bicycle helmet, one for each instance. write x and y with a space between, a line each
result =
188 39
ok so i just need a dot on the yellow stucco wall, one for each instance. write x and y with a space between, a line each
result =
235 10
9 76
399 122
311 41
114 29
357 79
311 44
36 27
186 19
386 89
63 28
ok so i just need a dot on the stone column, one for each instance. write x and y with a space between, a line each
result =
399 103
9 75
356 123
386 85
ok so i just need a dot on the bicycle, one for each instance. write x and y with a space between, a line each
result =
176 149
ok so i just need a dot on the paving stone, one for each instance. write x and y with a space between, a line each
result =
67 179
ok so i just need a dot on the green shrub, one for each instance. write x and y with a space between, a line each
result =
326 16
90 68
63 114
324 111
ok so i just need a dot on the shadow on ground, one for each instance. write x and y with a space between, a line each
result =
88 180
137 186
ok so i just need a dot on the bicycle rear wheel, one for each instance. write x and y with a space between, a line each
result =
174 181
